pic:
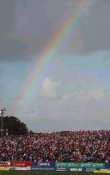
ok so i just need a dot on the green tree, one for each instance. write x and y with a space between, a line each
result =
14 126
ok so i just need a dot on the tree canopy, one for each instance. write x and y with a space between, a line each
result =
14 126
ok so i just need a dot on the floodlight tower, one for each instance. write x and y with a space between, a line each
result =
2 115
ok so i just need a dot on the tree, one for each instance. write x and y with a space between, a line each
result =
14 126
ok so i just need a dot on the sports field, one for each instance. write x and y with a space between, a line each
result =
44 173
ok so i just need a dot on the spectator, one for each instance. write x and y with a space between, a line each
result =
65 146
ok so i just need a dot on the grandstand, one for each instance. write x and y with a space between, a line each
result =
65 146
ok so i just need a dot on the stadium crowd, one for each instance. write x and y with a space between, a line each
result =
65 146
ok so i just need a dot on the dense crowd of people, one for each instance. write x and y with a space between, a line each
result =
65 146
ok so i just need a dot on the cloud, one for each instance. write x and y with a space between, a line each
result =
35 23
94 94
26 27
86 95
93 33
10 48
66 97
49 88
96 31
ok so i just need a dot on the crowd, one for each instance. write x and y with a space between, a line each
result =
65 146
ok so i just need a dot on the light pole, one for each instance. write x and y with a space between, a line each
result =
2 115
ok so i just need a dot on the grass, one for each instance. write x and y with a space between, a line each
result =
45 173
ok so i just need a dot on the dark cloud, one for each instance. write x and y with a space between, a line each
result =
7 15
36 21
94 34
97 30
9 47
27 26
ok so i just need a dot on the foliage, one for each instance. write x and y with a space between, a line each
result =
14 126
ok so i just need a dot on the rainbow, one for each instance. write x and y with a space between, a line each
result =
45 58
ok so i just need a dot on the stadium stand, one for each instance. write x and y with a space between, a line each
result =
65 146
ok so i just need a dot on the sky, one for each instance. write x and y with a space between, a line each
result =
55 63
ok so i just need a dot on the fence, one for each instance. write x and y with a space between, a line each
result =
58 166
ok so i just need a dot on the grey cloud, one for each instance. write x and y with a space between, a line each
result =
36 22
1 73
94 32
27 25
40 124
6 15
97 30
9 47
